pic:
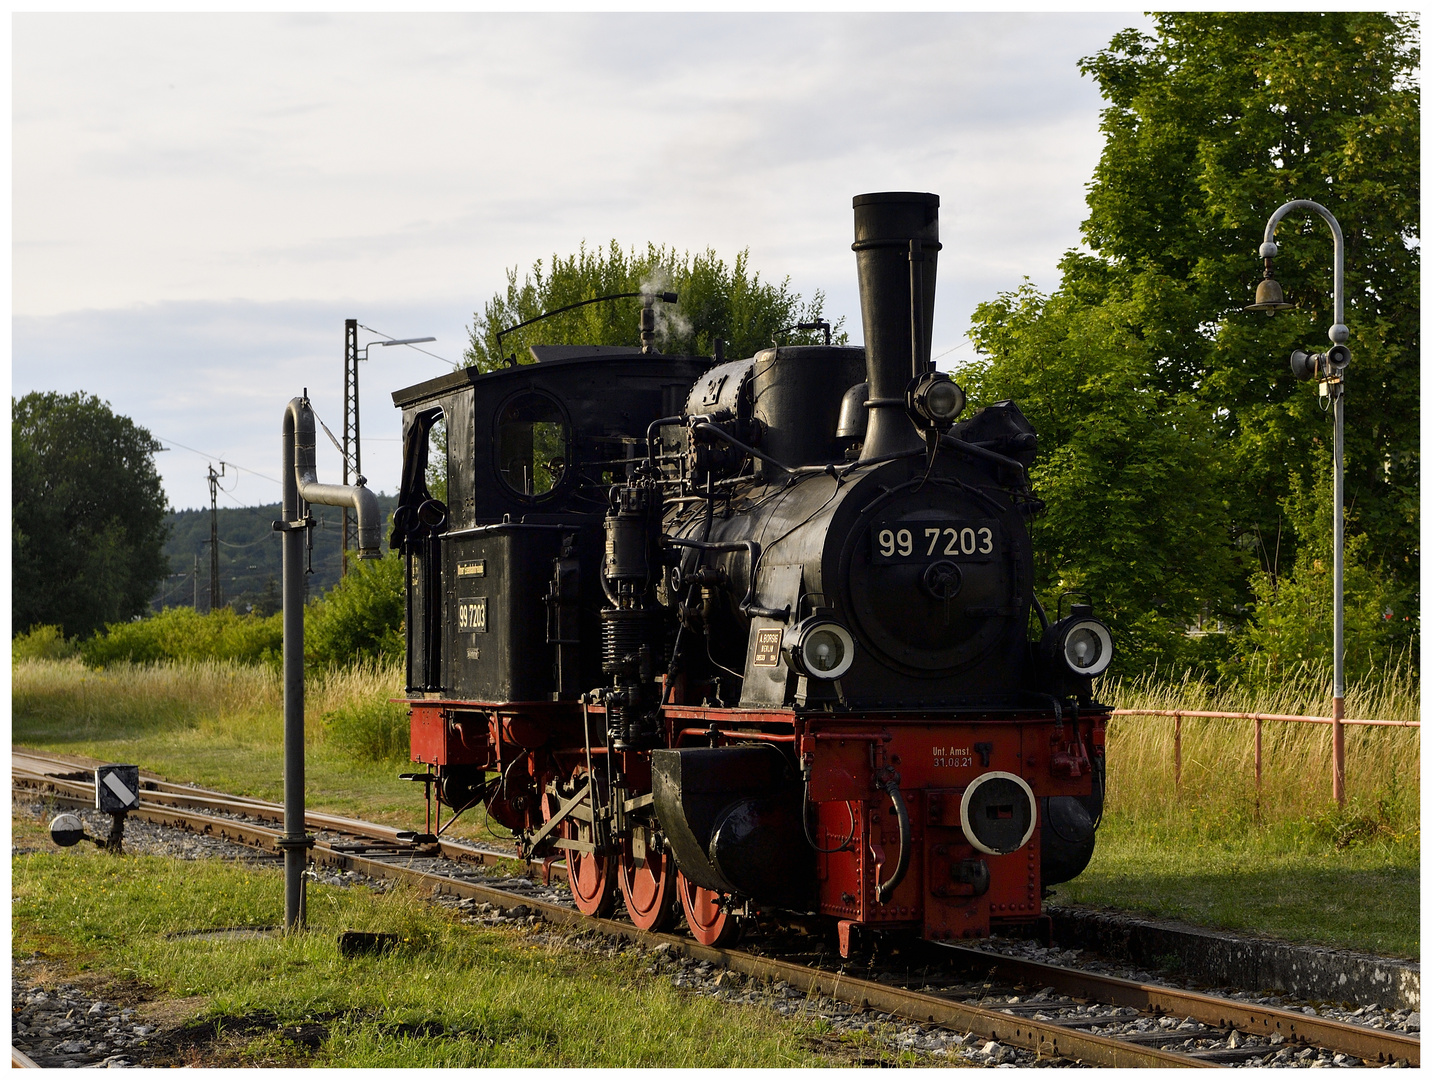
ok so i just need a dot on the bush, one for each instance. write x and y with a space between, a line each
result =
42 643
361 618
369 730
184 634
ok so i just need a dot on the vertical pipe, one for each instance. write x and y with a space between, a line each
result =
295 847
1338 334
1339 754
1177 751
1257 767
1339 674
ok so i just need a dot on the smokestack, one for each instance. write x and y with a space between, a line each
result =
897 239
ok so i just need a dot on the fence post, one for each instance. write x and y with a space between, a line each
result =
1257 768
1339 754
1177 752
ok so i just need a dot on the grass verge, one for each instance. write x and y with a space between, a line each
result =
1208 846
1294 881
450 995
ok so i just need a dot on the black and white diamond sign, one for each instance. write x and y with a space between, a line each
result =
116 788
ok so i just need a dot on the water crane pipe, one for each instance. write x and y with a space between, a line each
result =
301 487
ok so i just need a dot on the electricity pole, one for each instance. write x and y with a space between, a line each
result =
351 443
215 597
352 447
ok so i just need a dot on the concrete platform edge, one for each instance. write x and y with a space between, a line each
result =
1221 958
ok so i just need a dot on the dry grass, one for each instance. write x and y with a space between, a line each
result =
1382 766
220 724
222 699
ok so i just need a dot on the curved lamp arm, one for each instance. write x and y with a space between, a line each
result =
1337 333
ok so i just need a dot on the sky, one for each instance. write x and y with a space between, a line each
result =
199 201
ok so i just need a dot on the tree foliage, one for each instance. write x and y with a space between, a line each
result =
360 618
87 525
1213 123
1122 467
715 301
184 635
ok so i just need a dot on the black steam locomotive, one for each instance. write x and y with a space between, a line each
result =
749 635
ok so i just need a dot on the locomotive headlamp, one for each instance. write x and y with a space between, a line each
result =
820 648
1079 645
934 400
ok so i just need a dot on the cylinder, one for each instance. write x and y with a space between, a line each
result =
892 230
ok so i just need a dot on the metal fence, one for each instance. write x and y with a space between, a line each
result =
1258 719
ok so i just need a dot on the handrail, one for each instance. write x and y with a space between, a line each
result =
1258 719
1262 716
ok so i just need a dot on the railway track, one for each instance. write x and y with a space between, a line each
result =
1052 1011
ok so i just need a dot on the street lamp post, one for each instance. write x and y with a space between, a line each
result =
1331 370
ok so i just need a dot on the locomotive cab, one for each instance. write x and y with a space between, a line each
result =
524 458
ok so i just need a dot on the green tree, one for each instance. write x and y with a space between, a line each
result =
1293 621
1122 467
87 524
715 301
360 618
1212 123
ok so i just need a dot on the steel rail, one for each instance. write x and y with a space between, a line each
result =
203 798
20 1060
1045 1039
1367 1043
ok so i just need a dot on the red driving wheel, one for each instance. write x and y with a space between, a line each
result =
710 924
590 876
647 882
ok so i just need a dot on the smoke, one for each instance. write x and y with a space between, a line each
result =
671 324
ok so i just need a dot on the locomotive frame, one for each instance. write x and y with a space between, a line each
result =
736 636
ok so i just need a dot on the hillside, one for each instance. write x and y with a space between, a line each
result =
250 556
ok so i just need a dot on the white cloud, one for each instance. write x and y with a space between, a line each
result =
198 200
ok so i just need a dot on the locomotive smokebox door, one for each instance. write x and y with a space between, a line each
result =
116 788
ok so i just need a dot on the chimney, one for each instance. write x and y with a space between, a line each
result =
897 239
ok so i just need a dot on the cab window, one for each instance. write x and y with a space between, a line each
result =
532 445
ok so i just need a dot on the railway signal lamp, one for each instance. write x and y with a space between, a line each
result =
1330 370
67 830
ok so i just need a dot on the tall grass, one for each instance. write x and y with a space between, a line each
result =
242 704
1217 778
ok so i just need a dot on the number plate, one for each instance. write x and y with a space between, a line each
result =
472 616
932 539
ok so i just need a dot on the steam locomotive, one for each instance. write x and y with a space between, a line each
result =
735 636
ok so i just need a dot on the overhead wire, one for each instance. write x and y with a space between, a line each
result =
216 457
